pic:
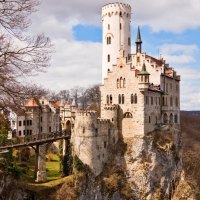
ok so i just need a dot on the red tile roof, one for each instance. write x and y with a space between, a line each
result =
32 103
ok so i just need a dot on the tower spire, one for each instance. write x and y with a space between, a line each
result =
138 42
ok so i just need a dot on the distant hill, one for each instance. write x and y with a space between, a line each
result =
190 129
191 112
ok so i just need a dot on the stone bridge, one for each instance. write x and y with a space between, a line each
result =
39 143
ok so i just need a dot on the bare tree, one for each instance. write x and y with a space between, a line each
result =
20 55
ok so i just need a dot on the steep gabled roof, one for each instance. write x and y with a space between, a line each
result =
32 102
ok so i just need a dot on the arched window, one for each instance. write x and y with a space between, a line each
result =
124 83
135 98
132 99
107 99
128 115
165 118
109 40
121 82
123 99
110 99
119 99
108 58
118 83
171 118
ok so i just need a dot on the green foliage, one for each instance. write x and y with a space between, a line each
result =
10 167
67 161
78 164
3 136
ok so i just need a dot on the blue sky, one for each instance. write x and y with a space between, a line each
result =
170 28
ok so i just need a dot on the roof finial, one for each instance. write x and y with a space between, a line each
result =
138 42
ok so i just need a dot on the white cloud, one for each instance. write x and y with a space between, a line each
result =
190 96
74 63
171 16
177 54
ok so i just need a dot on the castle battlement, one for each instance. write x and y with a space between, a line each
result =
116 5
103 121
86 113
111 107
114 9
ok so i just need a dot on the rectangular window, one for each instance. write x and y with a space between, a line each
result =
41 128
105 144
20 123
49 128
30 132
120 26
24 122
30 122
147 100
151 100
24 132
27 122
41 119
20 133
27 132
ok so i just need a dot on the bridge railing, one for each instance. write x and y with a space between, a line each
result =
38 137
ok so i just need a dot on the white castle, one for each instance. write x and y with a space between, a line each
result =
139 93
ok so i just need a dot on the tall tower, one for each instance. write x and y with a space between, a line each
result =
116 18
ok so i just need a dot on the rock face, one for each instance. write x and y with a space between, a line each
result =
11 190
153 164
146 168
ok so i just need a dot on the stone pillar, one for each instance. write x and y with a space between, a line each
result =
64 147
41 173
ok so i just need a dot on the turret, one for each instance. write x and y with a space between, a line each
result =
143 78
116 34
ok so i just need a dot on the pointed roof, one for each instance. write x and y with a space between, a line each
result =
143 71
73 103
32 102
138 40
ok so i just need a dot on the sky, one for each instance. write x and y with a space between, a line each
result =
168 27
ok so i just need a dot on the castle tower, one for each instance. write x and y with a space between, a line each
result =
116 19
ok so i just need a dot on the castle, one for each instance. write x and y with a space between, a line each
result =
139 93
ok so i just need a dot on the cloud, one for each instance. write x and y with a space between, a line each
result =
171 16
74 63
190 96
177 54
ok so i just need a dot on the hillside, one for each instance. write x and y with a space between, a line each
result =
190 128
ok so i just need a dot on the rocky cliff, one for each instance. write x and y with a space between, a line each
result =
140 168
